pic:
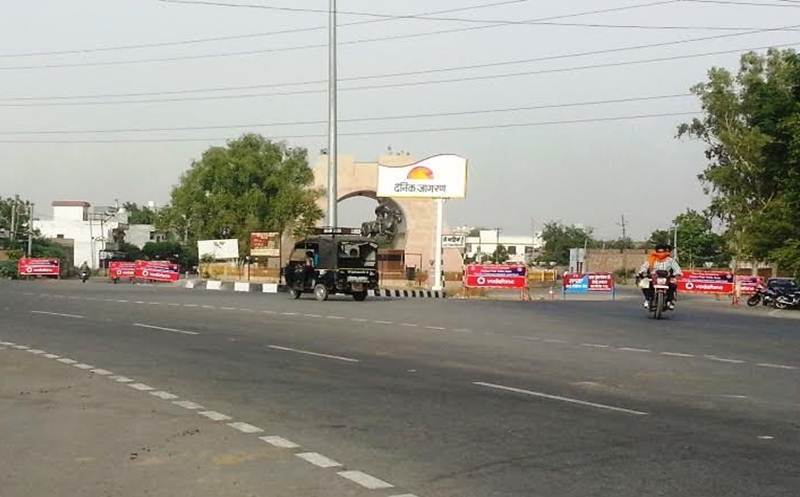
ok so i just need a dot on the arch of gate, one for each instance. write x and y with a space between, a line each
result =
361 179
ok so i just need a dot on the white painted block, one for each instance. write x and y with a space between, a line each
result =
279 442
245 427
215 416
365 480
188 404
241 286
318 460
190 283
269 288
213 285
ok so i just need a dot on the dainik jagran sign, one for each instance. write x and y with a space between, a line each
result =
440 176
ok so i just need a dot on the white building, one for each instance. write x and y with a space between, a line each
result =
91 229
521 249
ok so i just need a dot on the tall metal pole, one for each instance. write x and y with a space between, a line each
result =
437 256
30 229
332 220
13 220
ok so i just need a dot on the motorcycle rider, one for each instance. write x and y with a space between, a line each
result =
660 259
84 271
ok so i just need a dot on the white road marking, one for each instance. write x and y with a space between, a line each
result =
208 307
244 309
164 395
269 312
7 343
312 315
121 379
316 354
188 404
279 442
677 354
383 322
318 460
723 359
154 303
767 365
359 320
334 317
462 330
151 327
74 316
289 314
140 302
766 437
121 301
141 387
174 304
82 366
51 356
409 325
215 416
67 361
633 349
554 340
558 397
228 308
440 328
731 396
190 305
595 345
101 372
245 427
365 480
20 347
35 351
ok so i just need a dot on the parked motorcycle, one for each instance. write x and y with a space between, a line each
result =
788 301
763 295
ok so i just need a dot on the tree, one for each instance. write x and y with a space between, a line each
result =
500 255
751 126
559 238
698 244
139 215
21 211
169 251
252 184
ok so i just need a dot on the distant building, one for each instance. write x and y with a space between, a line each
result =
93 233
520 248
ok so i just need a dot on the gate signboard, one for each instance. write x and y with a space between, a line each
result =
508 276
716 282
265 244
118 270
38 267
585 283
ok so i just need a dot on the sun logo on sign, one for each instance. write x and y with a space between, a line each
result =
420 173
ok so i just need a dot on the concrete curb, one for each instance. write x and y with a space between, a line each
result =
246 287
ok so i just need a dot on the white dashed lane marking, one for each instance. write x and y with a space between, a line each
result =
383 322
188 404
279 442
724 359
20 347
560 398
633 349
245 427
141 387
59 314
315 354
365 480
215 416
121 379
161 328
164 395
677 354
775 366
51 356
318 460
83 366
101 372
595 345
66 360
35 351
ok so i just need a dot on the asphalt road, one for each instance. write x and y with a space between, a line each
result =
461 398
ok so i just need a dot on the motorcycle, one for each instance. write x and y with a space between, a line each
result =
84 276
763 295
787 300
659 281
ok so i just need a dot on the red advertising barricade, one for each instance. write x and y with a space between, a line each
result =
118 270
158 271
586 283
713 282
749 285
497 276
38 267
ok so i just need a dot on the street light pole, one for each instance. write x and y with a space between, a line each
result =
30 229
332 220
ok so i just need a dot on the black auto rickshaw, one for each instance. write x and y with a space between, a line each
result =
331 262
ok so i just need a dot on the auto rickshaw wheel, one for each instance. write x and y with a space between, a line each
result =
296 294
321 292
360 296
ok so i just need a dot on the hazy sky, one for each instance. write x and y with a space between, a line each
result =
588 173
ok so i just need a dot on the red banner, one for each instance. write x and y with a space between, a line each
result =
601 282
748 285
719 282
507 276
38 267
161 271
118 270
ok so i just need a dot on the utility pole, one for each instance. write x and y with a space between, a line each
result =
675 244
14 219
332 220
30 229
624 227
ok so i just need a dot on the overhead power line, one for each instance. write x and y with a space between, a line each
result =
400 84
747 4
319 45
372 133
360 119
193 41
